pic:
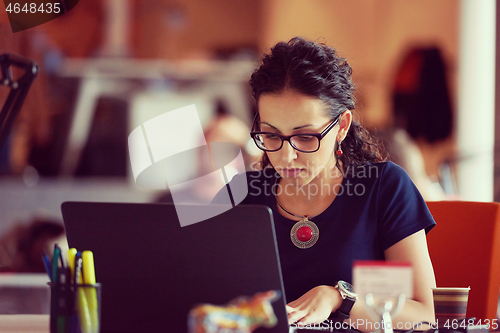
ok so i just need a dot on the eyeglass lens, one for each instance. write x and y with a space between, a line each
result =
300 142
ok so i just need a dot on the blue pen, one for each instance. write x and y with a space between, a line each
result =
47 264
55 263
61 256
55 290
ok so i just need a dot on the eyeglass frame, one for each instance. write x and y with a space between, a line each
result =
284 138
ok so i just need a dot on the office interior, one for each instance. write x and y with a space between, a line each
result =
107 66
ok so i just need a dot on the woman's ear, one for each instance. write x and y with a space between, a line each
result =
344 125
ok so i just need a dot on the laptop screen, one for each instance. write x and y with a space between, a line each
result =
153 271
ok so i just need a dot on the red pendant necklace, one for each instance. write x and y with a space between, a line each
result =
304 233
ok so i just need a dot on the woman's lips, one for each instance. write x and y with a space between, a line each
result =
293 172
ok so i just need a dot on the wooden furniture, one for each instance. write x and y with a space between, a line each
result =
22 323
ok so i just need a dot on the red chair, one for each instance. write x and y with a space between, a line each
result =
464 248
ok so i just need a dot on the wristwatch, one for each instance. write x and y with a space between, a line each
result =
349 298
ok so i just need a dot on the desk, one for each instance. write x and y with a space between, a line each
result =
24 323
24 293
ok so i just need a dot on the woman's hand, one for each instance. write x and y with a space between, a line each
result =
314 306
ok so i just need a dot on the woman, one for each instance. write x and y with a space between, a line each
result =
333 198
421 141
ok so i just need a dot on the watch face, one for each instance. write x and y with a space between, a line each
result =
348 288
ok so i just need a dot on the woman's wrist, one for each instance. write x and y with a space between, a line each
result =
336 298
348 298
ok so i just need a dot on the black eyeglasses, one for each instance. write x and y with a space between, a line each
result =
303 142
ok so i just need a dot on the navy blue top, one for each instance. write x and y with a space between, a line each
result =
377 206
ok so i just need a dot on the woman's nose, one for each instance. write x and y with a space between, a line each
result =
288 153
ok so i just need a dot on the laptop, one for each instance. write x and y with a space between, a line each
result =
153 271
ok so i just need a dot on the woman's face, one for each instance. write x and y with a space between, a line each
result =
290 113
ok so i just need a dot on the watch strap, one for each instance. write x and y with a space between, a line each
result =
343 312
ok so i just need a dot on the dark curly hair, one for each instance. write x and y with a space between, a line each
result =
315 69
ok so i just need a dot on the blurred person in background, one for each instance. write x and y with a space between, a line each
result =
22 246
223 128
421 141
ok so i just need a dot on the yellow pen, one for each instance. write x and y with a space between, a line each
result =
83 307
71 263
89 279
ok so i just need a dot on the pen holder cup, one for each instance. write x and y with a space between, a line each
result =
75 308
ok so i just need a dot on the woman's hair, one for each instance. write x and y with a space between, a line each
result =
421 98
315 69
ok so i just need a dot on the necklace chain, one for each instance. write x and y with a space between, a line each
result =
301 216
304 233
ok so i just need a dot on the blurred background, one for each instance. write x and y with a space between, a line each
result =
424 71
